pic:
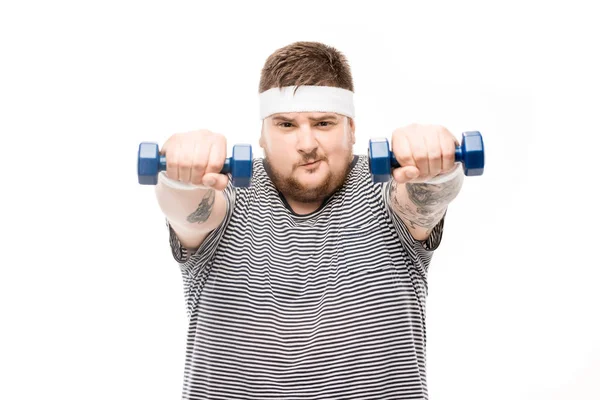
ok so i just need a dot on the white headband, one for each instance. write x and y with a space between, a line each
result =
306 99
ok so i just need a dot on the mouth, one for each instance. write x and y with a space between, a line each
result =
311 164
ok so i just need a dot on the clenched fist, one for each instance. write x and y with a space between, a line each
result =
197 158
423 151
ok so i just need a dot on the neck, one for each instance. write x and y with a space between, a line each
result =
301 208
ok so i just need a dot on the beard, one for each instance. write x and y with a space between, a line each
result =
291 187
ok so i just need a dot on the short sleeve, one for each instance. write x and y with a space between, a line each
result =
420 252
194 265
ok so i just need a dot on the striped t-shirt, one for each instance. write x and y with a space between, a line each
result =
329 305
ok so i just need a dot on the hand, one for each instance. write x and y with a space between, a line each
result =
197 158
423 151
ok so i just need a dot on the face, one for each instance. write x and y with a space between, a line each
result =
308 153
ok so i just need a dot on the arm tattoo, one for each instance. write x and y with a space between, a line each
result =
428 202
204 209
433 196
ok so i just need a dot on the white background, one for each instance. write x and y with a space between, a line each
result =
91 302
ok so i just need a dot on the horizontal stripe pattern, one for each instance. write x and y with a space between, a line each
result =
320 306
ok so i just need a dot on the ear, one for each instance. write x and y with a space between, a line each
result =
261 141
352 129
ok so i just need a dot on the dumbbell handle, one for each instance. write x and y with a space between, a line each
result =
162 165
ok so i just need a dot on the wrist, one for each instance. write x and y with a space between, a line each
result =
445 177
178 185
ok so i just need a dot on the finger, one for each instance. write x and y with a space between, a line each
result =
185 161
216 160
448 145
200 160
215 181
418 147
434 153
172 158
217 156
163 150
401 150
405 174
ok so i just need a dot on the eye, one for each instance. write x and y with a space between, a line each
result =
325 122
285 123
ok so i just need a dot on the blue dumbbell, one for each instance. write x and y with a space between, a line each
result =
151 162
469 153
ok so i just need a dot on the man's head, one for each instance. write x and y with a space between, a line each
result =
292 139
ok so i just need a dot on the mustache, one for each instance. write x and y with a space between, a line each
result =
312 157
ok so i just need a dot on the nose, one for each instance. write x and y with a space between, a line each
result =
306 142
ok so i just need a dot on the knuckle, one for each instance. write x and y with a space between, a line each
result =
213 166
420 157
401 132
204 132
198 167
420 173
435 156
218 145
172 163
401 151
448 154
202 135
404 160
185 163
220 137
403 157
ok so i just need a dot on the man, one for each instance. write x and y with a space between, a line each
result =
312 282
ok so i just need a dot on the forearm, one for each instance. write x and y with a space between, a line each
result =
191 208
422 205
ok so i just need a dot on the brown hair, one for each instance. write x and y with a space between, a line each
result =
306 63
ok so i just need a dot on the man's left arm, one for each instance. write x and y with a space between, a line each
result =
428 179
421 206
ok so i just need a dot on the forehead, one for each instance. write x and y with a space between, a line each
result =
310 116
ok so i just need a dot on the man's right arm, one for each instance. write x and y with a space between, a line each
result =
192 213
